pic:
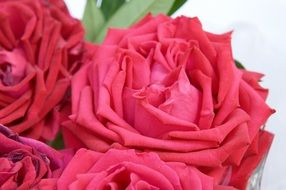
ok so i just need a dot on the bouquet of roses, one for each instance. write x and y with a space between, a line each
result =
142 101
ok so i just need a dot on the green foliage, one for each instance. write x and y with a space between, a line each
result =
109 7
132 11
58 142
177 4
238 64
121 14
93 20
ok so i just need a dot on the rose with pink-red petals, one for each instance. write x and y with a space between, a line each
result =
28 164
40 47
126 169
167 86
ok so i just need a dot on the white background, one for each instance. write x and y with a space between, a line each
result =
259 42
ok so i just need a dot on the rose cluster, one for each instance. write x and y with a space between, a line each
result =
159 105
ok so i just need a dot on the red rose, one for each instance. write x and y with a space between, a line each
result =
40 46
125 169
26 163
167 86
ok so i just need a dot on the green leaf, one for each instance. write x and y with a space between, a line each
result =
93 20
238 64
177 4
159 7
109 7
58 142
132 11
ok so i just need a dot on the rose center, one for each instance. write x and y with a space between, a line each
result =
12 67
16 156
5 74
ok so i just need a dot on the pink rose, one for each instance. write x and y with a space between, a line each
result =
126 169
40 47
166 86
26 163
